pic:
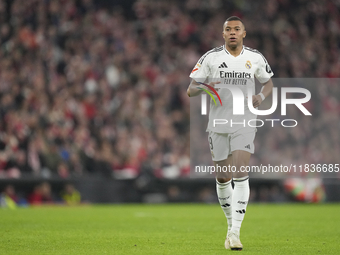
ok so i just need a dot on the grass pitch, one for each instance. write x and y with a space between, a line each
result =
168 229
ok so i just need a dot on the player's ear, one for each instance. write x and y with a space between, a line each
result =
244 33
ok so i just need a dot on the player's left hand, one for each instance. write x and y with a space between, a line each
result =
257 100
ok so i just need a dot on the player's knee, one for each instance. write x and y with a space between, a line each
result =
223 180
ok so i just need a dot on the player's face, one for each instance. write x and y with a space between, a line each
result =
233 33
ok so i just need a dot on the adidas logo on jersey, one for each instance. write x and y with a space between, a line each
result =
223 65
247 147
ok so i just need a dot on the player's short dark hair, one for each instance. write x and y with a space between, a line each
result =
234 18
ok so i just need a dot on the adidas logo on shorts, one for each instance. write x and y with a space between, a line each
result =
247 147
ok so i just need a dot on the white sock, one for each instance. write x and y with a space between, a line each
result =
225 195
240 201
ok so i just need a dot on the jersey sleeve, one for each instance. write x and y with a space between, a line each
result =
201 70
263 72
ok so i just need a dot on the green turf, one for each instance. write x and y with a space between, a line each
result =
168 229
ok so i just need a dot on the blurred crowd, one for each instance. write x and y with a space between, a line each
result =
40 194
87 89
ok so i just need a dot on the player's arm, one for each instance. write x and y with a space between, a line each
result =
265 92
200 73
193 89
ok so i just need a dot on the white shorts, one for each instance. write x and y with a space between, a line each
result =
222 145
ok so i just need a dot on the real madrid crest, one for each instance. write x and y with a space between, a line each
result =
248 64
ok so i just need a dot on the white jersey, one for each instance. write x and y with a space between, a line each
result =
219 65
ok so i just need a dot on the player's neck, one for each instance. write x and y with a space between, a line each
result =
234 51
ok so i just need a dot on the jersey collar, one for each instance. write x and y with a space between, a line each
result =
225 49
